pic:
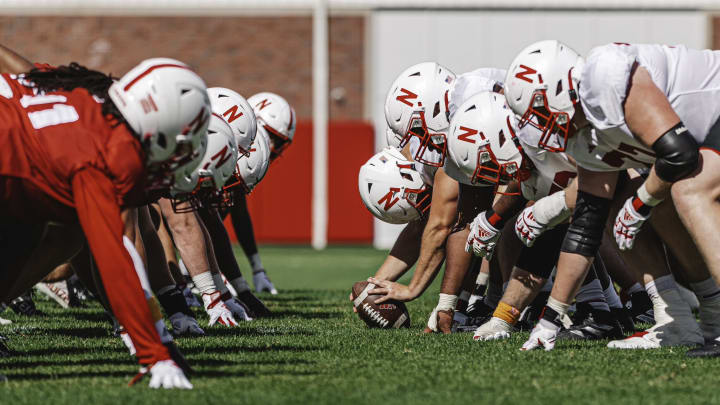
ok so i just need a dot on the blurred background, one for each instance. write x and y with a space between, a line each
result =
334 61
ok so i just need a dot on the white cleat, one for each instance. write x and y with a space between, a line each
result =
185 325
494 329
675 326
262 283
58 292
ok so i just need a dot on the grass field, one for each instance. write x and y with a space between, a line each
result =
315 350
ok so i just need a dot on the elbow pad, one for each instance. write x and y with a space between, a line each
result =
585 232
677 154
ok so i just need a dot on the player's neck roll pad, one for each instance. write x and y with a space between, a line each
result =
677 154
585 232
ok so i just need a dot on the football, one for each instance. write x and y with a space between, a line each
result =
388 315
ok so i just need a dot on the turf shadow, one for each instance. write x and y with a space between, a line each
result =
307 314
255 332
77 374
234 349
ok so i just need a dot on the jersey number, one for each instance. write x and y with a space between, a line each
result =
561 181
55 115
615 157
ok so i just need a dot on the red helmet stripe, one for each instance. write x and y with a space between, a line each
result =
150 69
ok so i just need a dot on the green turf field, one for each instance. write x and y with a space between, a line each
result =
316 351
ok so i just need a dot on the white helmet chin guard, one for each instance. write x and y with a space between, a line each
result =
417 106
482 141
541 87
392 189
236 111
276 115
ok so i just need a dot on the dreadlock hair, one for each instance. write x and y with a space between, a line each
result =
72 76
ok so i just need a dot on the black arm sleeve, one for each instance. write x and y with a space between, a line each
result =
243 226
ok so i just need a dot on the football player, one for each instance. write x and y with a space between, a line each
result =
628 106
276 118
80 148
418 109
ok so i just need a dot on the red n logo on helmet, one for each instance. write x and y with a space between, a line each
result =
197 122
407 95
524 74
223 156
263 104
388 198
465 136
233 113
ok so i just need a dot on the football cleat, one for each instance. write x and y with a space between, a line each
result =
709 315
641 308
262 283
479 309
4 351
464 323
58 292
591 330
185 325
494 329
622 315
24 305
251 302
669 334
77 292
711 349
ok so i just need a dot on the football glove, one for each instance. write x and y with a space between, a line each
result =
528 228
166 374
238 311
262 283
185 325
482 238
627 225
543 335
217 310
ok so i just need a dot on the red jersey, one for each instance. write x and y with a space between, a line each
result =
61 159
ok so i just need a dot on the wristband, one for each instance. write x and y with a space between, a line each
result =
643 202
494 219
447 302
507 313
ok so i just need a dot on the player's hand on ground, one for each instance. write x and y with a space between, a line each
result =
238 311
527 227
482 238
185 325
627 225
217 310
390 291
166 374
262 283
542 336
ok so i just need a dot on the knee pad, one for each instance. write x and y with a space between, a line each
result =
585 232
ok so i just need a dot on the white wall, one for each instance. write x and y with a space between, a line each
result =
466 40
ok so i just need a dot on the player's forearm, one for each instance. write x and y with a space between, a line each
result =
510 203
11 62
656 187
432 254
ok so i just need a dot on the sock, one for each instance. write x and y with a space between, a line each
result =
172 300
446 302
553 313
665 282
612 298
204 283
635 288
183 268
494 293
592 294
706 290
240 285
256 263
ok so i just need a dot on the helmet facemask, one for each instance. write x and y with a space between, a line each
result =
429 142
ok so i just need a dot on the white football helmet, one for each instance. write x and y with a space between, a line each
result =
237 113
541 87
167 106
251 169
276 115
392 189
417 106
482 141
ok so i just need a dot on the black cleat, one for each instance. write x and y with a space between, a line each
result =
253 303
591 330
623 317
4 350
24 305
708 351
479 309
641 308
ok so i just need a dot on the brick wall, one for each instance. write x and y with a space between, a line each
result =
247 54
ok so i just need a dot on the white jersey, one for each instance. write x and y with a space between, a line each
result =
689 78
467 85
552 172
